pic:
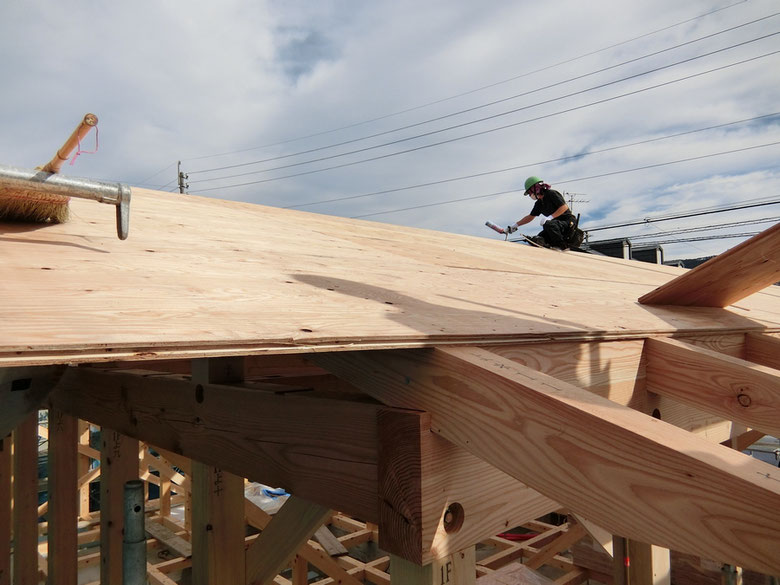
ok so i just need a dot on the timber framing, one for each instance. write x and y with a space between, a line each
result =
440 389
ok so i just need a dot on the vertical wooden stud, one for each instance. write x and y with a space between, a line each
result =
118 464
218 523
165 497
300 571
63 498
84 464
25 490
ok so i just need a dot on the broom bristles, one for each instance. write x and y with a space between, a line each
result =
33 206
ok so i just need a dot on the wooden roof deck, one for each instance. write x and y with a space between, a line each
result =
202 276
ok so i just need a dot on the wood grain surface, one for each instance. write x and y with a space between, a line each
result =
207 277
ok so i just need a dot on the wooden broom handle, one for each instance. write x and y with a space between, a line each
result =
54 165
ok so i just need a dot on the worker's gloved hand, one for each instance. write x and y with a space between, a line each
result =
510 229
544 219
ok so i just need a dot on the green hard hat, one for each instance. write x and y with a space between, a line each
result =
531 181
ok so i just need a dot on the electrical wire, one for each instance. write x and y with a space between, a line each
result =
534 164
579 179
704 238
707 211
478 107
574 108
545 68
705 228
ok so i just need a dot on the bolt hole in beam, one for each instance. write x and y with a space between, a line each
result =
453 518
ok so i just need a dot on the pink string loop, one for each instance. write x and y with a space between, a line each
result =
79 151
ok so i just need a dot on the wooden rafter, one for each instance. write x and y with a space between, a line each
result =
632 474
747 268
735 389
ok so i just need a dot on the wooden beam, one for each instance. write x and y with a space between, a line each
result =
218 523
22 391
739 272
663 485
63 498
742 441
169 538
600 536
320 449
732 388
329 542
118 465
763 349
514 574
423 476
564 541
274 549
306 553
25 489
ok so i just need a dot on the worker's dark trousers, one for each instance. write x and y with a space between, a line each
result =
556 231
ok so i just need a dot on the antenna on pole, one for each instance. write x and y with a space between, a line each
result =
182 178
571 198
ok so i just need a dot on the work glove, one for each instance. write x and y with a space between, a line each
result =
510 229
544 219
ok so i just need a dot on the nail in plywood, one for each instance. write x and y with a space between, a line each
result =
747 268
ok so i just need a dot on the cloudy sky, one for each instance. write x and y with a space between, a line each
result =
426 114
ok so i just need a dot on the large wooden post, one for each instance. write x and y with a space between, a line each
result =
118 464
218 524
26 501
456 569
63 498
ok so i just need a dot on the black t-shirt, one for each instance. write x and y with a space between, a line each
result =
549 204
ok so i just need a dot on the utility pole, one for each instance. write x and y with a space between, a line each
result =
572 200
182 178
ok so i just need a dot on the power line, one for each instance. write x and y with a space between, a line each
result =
481 106
703 238
575 108
705 228
545 68
513 111
706 211
534 164
580 179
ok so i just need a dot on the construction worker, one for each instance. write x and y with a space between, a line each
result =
559 228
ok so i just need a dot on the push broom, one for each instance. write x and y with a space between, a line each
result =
42 196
